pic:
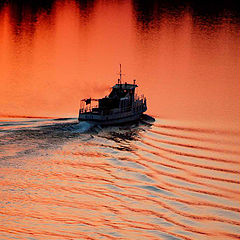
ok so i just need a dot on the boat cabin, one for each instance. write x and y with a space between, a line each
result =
121 96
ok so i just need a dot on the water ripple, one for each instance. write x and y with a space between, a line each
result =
129 182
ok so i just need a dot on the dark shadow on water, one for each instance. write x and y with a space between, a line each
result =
24 14
147 119
61 119
126 133
86 8
148 14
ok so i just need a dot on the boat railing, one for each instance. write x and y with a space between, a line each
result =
87 108
138 104
139 98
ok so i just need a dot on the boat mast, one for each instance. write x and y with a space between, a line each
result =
120 74
120 80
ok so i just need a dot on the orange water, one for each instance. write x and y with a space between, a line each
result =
175 178
52 55
166 180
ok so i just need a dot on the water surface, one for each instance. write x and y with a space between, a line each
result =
61 179
184 56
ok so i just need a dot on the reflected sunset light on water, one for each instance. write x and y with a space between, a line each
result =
54 55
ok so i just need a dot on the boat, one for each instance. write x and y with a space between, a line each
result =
122 105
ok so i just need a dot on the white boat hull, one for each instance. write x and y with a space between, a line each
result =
112 119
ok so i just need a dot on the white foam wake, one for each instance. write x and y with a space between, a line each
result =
82 127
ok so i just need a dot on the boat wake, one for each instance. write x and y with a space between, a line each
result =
82 127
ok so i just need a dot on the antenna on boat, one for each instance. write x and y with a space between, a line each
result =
120 74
